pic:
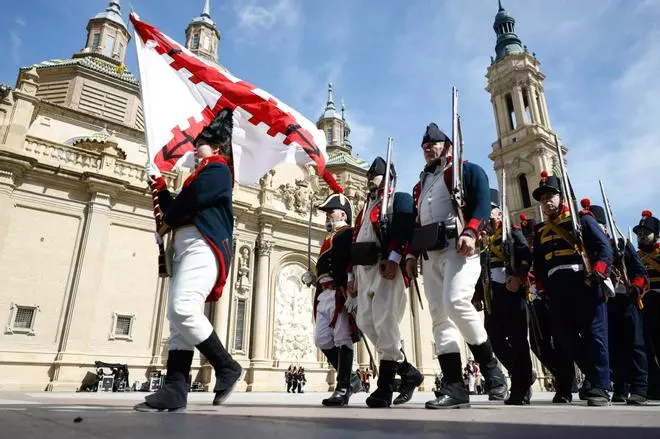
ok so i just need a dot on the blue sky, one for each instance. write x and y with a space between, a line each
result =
394 63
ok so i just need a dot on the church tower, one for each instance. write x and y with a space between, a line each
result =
202 35
525 140
334 126
107 35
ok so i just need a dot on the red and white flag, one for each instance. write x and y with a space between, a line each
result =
182 93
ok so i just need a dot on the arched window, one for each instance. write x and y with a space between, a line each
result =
510 112
524 191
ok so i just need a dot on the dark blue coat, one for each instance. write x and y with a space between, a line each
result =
206 202
550 250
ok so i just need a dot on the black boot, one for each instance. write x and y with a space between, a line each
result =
332 356
343 389
382 396
227 370
495 380
173 394
597 397
521 395
452 394
411 378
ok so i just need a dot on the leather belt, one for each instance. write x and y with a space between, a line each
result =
573 267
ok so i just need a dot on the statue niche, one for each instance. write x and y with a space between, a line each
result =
243 276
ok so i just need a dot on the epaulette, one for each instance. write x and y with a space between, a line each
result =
538 226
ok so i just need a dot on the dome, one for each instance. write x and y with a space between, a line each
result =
112 13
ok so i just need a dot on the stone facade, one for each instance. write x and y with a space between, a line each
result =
77 253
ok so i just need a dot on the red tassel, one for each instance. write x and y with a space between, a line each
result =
585 203
544 174
523 217
647 213
328 178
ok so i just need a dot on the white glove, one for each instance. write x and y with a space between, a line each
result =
152 171
351 304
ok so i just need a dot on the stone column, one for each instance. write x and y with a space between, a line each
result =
92 247
503 116
261 294
531 92
362 354
11 169
497 118
518 106
221 315
545 110
25 101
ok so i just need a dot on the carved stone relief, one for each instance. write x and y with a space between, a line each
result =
243 271
266 186
297 196
293 334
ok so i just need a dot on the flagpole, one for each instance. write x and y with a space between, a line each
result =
158 215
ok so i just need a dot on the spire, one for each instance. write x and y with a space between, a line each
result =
330 105
507 40
206 12
330 111
112 13
202 35
205 16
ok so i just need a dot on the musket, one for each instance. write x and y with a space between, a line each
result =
541 216
308 278
571 201
457 160
384 229
619 244
507 242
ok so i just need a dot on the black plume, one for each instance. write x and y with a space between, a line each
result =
218 132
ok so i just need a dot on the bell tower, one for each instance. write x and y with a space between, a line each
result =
525 140
203 36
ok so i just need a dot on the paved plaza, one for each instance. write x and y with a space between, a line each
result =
293 416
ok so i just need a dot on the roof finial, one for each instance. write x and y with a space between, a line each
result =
207 9
500 3
331 101
343 109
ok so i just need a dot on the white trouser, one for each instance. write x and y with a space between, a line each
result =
325 336
471 383
381 305
194 273
449 281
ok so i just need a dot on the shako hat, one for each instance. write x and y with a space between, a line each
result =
648 222
548 184
597 211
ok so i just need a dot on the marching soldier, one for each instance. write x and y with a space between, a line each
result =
201 217
380 286
540 322
575 294
648 240
626 333
506 317
451 267
334 332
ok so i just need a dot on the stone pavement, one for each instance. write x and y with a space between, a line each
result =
292 416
